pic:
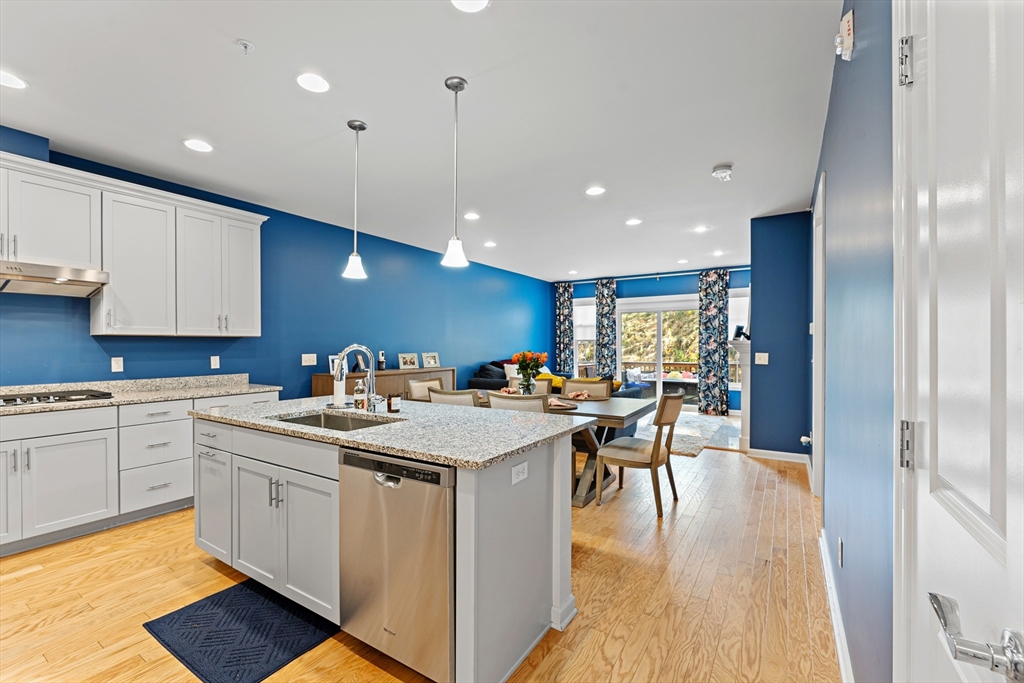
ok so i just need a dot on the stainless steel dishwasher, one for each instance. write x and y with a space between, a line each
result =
397 546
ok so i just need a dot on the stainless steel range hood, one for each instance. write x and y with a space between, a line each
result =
35 278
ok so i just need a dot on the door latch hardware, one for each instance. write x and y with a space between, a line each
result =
1006 658
906 60
906 444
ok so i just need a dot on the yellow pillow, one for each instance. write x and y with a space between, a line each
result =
556 381
615 383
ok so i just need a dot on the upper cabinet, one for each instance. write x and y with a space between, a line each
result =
177 266
52 222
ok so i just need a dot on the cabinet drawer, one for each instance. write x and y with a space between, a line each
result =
212 434
236 400
146 413
33 425
145 487
143 445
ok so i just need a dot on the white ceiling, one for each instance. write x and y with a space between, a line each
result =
643 98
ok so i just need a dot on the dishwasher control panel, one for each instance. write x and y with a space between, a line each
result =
395 469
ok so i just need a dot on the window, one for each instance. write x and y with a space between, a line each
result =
584 318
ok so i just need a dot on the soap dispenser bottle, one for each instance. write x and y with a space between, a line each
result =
359 401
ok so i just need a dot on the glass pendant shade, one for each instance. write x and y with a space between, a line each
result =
455 257
354 269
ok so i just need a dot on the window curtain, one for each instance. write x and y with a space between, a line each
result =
563 327
713 345
604 294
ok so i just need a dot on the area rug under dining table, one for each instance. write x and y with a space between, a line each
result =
693 432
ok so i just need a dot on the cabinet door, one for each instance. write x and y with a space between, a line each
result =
241 278
10 491
199 274
53 222
255 521
309 542
68 480
3 214
212 485
139 253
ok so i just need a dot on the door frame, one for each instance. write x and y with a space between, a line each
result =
818 341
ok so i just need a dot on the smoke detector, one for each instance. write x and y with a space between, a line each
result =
723 172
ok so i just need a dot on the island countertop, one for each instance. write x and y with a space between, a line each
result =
459 436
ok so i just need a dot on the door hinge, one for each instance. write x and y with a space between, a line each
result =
906 444
906 60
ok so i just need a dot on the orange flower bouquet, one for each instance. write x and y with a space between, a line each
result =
529 364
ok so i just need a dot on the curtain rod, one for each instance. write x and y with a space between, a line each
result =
656 275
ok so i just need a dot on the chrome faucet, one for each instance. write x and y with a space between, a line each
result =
341 371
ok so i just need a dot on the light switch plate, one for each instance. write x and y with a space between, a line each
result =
117 364
214 362
760 359
309 359
519 472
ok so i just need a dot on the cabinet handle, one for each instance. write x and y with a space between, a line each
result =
159 443
154 487
270 492
15 249
207 455
14 457
221 406
159 412
2 245
209 435
109 315
258 402
28 461
225 322
279 500
218 323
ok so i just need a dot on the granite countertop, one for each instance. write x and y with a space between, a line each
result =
460 436
130 391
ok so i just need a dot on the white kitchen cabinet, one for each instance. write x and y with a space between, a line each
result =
10 491
68 480
240 288
139 253
212 474
199 274
153 485
309 570
3 214
255 521
53 222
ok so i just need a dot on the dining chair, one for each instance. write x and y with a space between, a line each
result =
542 386
418 389
535 403
599 389
464 397
629 451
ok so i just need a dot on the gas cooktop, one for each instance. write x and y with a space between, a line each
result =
54 397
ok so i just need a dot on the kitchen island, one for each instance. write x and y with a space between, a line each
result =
269 502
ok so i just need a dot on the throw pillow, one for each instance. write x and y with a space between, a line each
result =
511 371
556 381
490 372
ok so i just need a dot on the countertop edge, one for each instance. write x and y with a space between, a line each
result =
156 396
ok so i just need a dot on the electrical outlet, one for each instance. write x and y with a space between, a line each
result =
760 359
840 552
117 364
214 362
309 359
518 472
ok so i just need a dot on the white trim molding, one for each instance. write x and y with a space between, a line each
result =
779 455
838 629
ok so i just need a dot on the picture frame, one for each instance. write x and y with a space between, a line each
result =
408 361
360 365
332 363
431 359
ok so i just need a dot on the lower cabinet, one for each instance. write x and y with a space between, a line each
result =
10 492
211 475
285 532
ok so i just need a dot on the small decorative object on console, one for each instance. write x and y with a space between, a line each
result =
529 364
408 361
381 361
431 359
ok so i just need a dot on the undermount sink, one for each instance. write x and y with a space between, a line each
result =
340 423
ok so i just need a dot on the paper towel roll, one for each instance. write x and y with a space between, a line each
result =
339 393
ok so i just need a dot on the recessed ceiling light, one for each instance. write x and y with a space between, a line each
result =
313 82
471 216
634 221
490 244
11 81
701 228
572 272
471 6
198 145
682 260
594 191
718 253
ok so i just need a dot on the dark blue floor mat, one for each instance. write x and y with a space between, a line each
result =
241 634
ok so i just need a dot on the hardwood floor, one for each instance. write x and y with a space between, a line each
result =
727 587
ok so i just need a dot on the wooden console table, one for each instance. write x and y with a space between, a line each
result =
388 381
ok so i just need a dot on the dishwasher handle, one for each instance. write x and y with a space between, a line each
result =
387 480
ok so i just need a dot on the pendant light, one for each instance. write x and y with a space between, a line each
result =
354 270
455 257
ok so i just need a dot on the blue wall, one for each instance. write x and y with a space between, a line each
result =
24 144
410 303
663 286
856 156
780 315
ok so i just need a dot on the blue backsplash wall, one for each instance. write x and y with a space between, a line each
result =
410 303
780 316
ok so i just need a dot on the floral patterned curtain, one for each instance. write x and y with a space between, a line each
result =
563 327
713 349
604 293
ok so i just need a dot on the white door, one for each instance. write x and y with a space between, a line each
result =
241 278
68 480
212 486
53 222
959 256
138 252
10 491
818 345
255 520
199 274
309 542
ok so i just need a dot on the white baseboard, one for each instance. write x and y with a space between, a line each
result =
561 616
779 455
838 628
